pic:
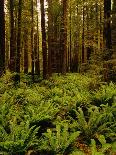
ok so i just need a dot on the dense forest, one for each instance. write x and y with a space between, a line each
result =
58 77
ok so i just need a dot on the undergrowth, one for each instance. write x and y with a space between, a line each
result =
72 114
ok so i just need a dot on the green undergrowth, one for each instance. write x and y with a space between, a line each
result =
72 114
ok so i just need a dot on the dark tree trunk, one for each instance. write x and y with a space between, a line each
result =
37 67
50 34
12 38
25 51
107 24
83 37
18 42
97 20
44 46
114 28
37 63
2 38
32 42
64 36
107 38
36 51
70 55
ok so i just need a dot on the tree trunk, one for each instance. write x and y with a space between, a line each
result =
12 38
2 38
50 34
83 37
32 42
37 63
114 28
70 55
17 78
64 37
44 46
25 51
107 24
107 38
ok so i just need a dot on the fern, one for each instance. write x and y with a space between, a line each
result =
104 146
105 94
77 153
95 122
58 140
41 114
20 138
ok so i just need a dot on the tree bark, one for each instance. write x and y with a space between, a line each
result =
26 50
64 37
114 28
107 24
2 38
44 46
37 62
12 38
70 55
50 33
18 52
32 41
83 37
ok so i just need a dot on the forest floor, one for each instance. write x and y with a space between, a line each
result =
68 115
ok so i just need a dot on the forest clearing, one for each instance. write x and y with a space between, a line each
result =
57 77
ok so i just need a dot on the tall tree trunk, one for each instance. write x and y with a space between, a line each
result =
18 53
7 49
12 38
36 51
2 38
107 24
114 28
101 28
32 41
88 36
37 68
97 20
37 62
26 50
83 37
50 33
107 37
44 46
70 55
64 33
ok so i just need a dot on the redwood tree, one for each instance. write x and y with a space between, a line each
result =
26 50
107 24
18 51
2 37
12 37
64 35
114 26
44 46
107 39
32 40
50 31
37 57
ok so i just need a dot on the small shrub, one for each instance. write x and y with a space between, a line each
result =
19 139
59 140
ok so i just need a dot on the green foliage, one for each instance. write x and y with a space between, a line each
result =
104 146
73 104
6 82
59 140
41 114
77 153
113 147
95 122
19 138
105 94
